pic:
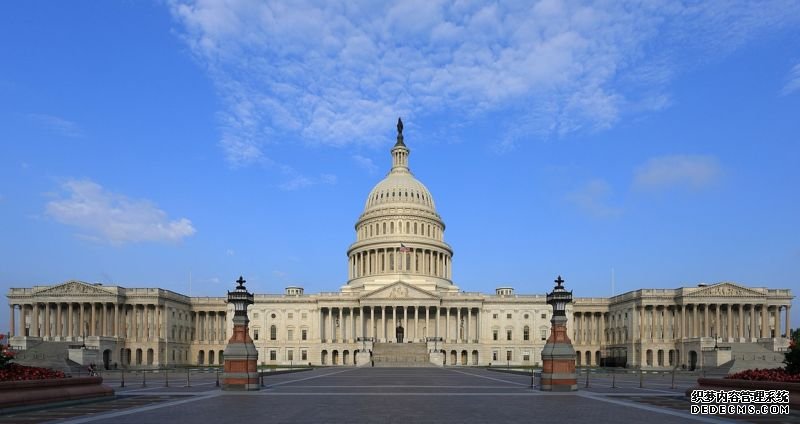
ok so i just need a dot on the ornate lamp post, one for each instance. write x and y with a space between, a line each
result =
558 356
240 353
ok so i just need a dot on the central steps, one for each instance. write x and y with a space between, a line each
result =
401 355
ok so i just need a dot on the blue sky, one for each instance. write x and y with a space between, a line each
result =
144 142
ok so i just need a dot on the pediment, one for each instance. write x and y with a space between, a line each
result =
398 291
72 288
724 290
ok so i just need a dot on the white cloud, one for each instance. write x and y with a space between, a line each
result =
113 217
339 72
56 125
365 163
662 172
793 83
593 198
230 252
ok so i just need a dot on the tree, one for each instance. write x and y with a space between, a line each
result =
792 357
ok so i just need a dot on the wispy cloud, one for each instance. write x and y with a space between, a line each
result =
294 180
114 218
593 198
694 171
56 125
336 73
365 163
793 82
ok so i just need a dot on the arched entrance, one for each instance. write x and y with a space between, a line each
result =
692 360
400 332
106 358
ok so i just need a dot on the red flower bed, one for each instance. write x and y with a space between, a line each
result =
776 374
17 372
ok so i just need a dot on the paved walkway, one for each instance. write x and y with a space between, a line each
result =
387 395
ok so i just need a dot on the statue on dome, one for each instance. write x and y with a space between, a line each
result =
399 126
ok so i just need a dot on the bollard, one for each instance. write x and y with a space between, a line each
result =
144 378
123 378
613 379
587 377
166 377
217 378
532 374
188 383
261 377
641 378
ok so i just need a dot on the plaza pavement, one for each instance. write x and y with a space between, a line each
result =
387 395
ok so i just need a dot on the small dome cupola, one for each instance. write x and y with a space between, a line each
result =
400 151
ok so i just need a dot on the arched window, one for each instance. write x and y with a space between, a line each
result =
415 228
391 261
273 332
526 333
408 262
391 227
408 227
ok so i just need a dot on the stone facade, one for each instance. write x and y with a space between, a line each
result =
400 277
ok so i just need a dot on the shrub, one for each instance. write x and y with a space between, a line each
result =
6 354
792 358
17 372
775 374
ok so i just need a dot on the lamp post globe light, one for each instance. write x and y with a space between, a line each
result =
241 356
558 355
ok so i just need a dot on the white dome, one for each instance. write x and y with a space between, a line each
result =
399 236
400 189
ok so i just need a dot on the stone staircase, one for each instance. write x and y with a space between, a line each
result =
401 355
51 355
747 356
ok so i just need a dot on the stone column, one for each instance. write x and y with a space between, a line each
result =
468 332
373 327
641 323
753 327
407 332
12 323
729 330
764 321
458 325
777 318
47 319
446 324
683 322
427 322
35 320
740 332
788 321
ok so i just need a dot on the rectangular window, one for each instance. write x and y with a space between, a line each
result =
255 334
291 315
508 334
494 355
290 335
526 356
508 316
544 334
494 334
494 316
304 335
508 355
303 355
273 355
544 316
303 315
290 355
255 315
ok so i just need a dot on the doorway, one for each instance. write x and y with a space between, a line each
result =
400 333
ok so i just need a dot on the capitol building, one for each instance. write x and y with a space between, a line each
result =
400 290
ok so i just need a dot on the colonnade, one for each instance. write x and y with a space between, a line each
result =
209 326
63 320
391 260
729 321
456 324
